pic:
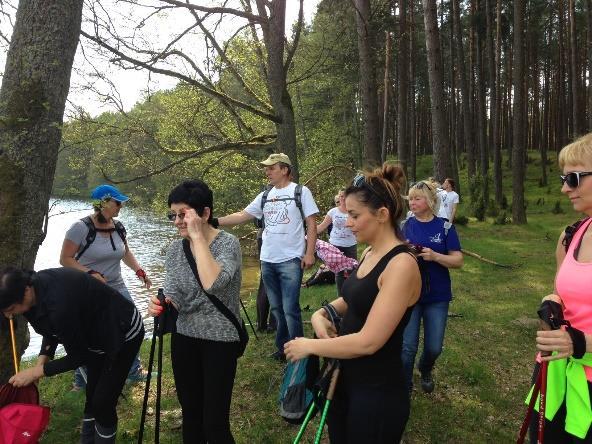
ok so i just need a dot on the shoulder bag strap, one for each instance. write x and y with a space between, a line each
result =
213 299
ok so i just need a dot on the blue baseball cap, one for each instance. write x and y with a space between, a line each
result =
108 192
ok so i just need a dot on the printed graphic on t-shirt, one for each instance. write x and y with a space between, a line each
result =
437 239
276 211
339 226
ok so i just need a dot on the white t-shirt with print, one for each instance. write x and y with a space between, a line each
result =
283 236
341 236
448 199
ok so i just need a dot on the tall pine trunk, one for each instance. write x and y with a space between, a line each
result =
402 112
518 148
442 165
32 101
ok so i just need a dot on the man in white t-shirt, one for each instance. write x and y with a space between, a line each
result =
285 252
448 201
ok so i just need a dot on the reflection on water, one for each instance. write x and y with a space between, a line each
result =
148 236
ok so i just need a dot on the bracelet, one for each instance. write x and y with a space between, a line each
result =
141 273
215 222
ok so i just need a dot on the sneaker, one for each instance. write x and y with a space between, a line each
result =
427 382
140 376
278 356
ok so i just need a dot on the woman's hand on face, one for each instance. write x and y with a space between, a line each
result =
322 326
297 349
548 341
27 377
194 224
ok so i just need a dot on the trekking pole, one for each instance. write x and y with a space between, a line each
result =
13 339
248 318
307 418
542 402
530 409
330 394
148 377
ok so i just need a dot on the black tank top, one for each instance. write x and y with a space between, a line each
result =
384 366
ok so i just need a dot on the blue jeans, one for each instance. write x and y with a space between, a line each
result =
282 283
136 368
434 317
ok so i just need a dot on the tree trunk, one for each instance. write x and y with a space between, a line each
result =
402 113
32 100
575 74
385 104
518 149
495 109
411 104
368 83
442 165
274 37
589 28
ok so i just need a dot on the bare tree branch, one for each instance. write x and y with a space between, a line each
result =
185 78
217 10
260 142
292 50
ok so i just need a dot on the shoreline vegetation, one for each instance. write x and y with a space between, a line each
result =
481 378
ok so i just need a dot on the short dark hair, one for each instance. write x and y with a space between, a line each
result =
451 182
195 193
285 165
13 282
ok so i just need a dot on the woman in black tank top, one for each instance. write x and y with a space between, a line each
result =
371 403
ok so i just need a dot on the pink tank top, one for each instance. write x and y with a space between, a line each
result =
574 286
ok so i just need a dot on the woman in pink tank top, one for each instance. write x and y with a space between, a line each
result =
569 417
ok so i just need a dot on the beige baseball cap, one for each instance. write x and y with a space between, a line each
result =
275 158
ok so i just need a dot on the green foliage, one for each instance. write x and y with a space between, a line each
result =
461 220
477 205
501 218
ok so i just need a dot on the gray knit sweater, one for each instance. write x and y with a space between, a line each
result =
198 317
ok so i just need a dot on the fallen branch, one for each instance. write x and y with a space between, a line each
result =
483 259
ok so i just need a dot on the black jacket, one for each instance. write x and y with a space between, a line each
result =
83 314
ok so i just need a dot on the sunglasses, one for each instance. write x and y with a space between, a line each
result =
172 216
420 185
573 179
360 182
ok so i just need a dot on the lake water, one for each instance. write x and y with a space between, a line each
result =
148 236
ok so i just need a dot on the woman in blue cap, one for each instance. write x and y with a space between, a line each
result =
96 244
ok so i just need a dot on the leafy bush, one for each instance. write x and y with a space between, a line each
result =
478 204
461 220
501 219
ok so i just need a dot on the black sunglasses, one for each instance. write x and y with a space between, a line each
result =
573 179
360 182
172 216
420 185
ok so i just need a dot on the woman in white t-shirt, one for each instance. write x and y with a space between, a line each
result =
341 236
452 199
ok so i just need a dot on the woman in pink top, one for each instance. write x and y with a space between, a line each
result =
570 422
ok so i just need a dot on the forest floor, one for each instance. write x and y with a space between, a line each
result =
481 377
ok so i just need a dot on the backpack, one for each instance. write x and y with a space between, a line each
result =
260 223
297 389
570 231
92 233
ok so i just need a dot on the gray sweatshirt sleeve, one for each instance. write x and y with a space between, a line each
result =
229 259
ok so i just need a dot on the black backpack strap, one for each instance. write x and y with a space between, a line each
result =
120 230
298 200
90 235
213 299
570 231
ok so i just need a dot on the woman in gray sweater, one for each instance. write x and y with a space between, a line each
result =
205 347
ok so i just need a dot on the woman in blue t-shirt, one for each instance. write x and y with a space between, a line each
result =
438 249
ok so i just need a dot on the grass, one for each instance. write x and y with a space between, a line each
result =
481 378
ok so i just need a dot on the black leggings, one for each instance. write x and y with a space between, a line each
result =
106 380
555 430
204 376
367 414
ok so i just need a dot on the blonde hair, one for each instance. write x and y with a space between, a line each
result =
426 189
577 152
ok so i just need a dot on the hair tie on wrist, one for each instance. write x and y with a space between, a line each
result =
578 340
215 222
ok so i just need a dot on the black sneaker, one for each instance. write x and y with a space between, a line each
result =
278 356
427 382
